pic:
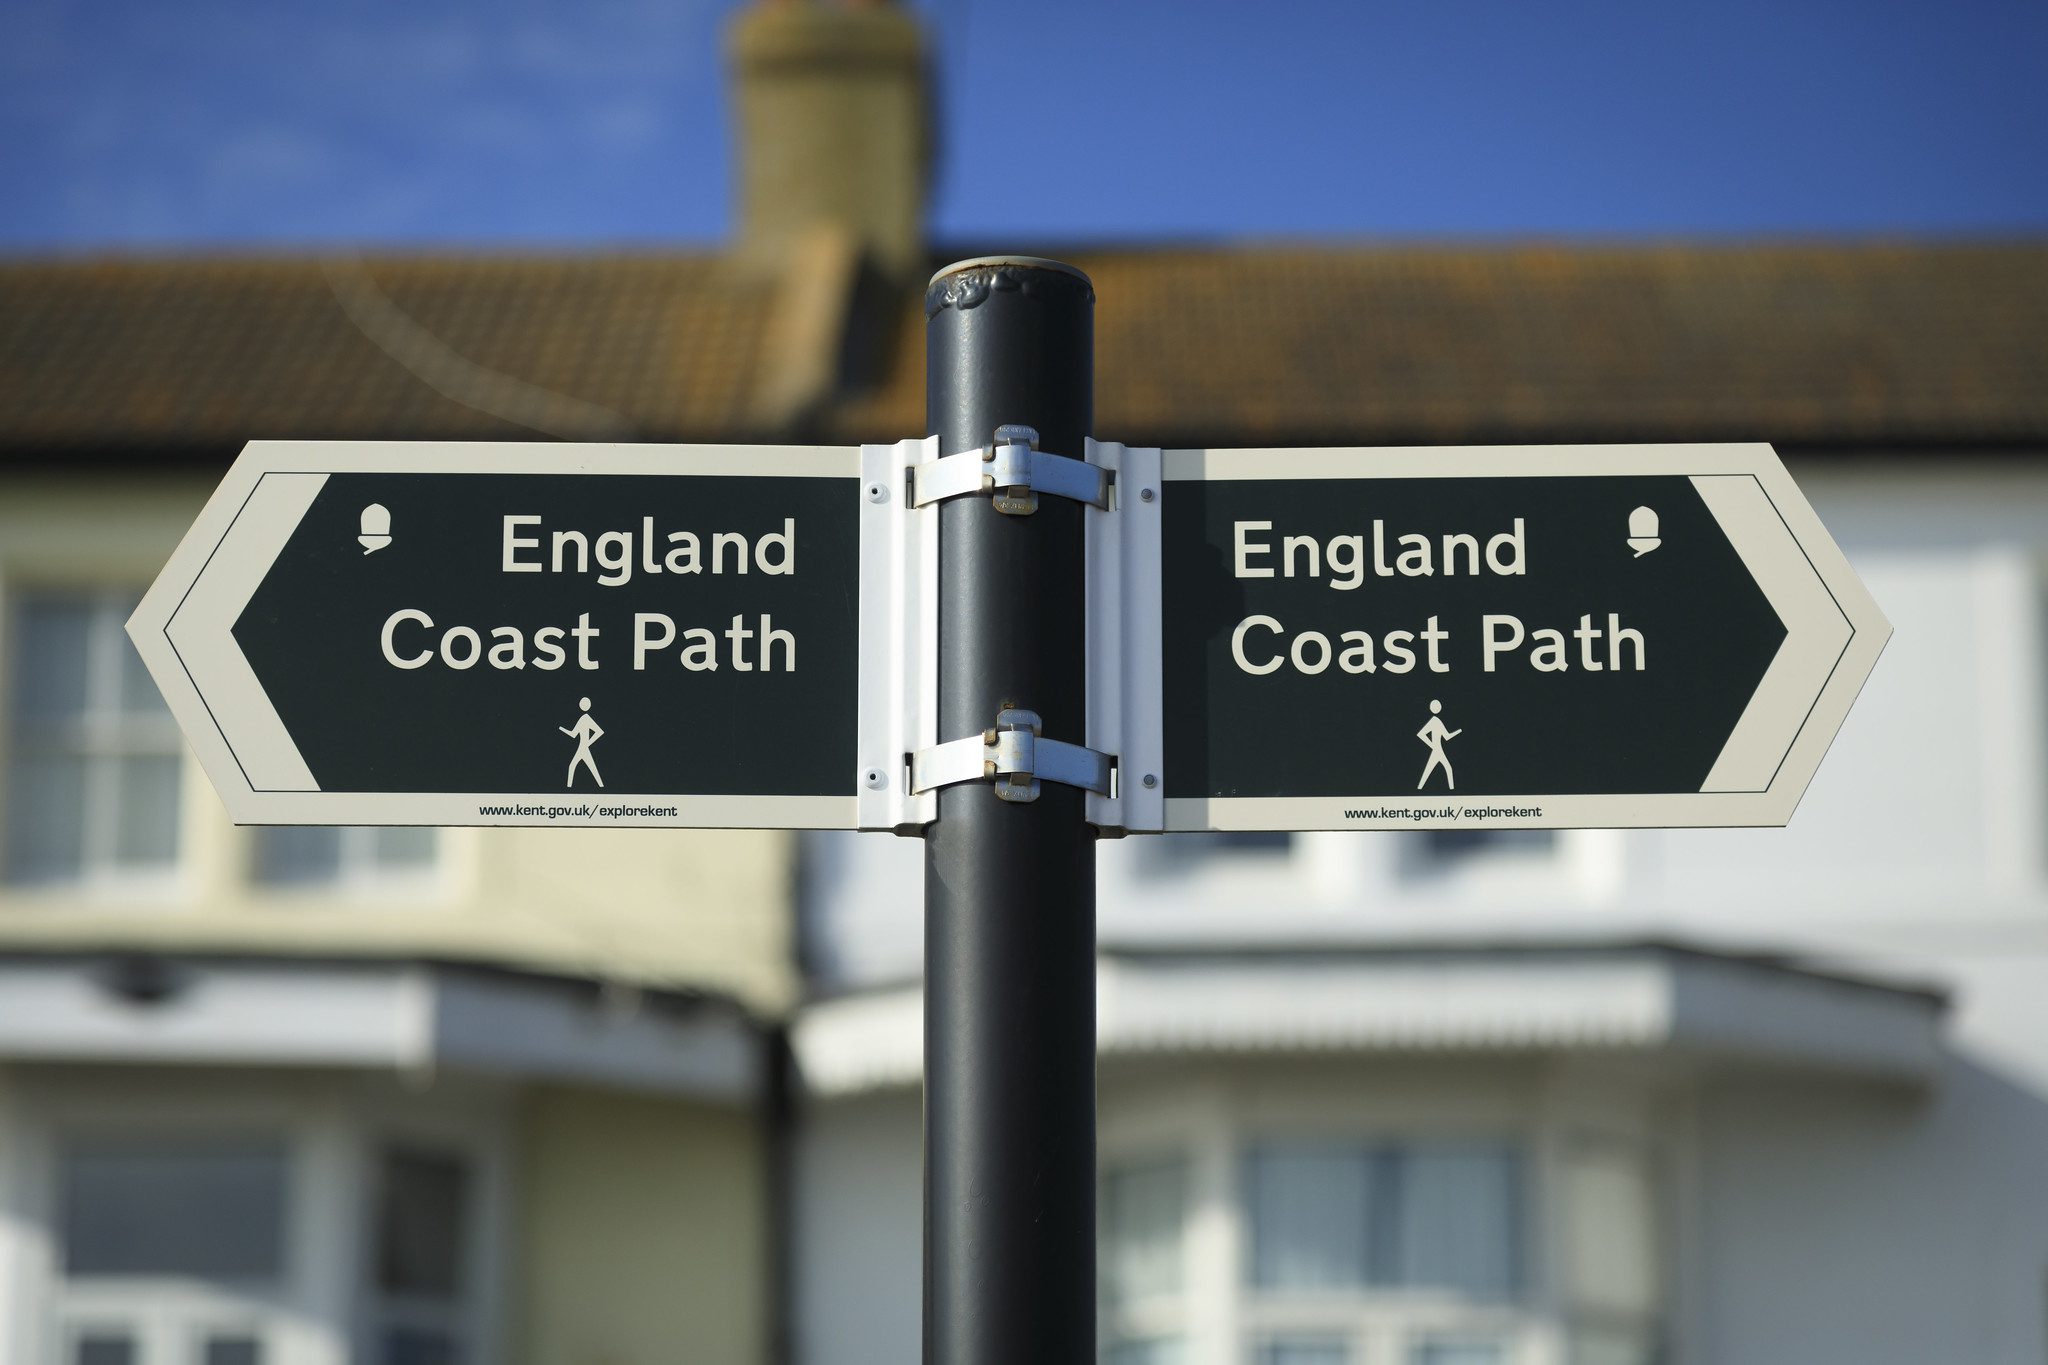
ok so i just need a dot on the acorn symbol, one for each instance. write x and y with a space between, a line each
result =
376 528
1642 531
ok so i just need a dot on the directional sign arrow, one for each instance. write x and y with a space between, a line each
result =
419 633
1499 637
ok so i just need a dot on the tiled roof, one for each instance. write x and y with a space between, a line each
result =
1809 343
1815 343
210 352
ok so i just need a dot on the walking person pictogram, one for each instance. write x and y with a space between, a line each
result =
1434 733
585 732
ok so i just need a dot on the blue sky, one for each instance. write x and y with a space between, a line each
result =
136 124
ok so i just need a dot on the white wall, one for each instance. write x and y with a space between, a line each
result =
1845 1226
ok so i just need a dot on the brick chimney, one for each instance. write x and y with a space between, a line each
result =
833 129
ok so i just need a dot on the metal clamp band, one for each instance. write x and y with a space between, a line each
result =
1015 471
1015 756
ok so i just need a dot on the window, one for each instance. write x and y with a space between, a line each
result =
1143 1261
1439 1352
421 1276
195 1209
171 1248
93 754
1304 1351
1430 1217
104 1348
205 1225
1416 1245
314 856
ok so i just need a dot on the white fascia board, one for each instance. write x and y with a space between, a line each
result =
395 1016
513 1027
63 1009
1646 1000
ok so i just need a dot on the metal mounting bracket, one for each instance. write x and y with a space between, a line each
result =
899 636
899 642
1014 471
1125 673
1016 756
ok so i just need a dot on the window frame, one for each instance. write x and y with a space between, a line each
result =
476 1317
164 1313
332 1130
1382 1324
1211 1115
106 735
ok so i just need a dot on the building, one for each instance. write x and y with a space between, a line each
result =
1698 1097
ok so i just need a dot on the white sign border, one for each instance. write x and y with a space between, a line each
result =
246 804
1868 633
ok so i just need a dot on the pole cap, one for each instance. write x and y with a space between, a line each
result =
1018 262
968 284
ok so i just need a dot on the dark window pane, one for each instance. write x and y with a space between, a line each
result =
1458 1353
419 1346
46 818
1305 1351
1155 1351
1311 1208
422 1211
289 854
104 1348
207 1209
1449 845
52 657
1458 1226
233 1351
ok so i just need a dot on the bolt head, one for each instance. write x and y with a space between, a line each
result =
1145 495
1151 779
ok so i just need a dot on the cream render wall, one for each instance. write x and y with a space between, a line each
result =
711 910
641 1235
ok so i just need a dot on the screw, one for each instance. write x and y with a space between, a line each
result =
878 492
1145 495
875 779
1151 779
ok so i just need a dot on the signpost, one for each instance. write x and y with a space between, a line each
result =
1008 638
1499 637
396 633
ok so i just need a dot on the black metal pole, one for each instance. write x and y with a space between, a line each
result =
1009 1023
